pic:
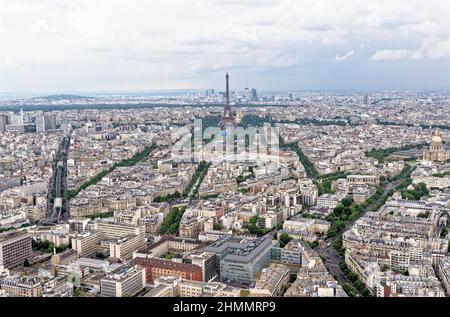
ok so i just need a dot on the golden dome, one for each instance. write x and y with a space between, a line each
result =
436 136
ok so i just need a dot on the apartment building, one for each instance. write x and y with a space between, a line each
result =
155 268
241 258
86 243
15 248
111 229
272 281
16 286
123 248
125 281
372 180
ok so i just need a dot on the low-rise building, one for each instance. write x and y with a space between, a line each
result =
241 258
156 268
171 286
22 286
443 270
272 281
125 281
86 243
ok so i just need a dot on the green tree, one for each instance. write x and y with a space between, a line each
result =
347 201
253 220
350 290
76 292
172 220
284 239
338 209
218 226
365 292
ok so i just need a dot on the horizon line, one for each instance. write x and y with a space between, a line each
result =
187 90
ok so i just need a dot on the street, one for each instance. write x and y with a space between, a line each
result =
57 207
325 249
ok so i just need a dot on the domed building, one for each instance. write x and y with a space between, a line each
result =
436 151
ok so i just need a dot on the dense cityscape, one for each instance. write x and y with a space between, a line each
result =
208 156
324 194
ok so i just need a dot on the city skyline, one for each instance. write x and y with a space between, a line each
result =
240 151
272 45
293 196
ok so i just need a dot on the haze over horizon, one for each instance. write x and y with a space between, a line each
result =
115 46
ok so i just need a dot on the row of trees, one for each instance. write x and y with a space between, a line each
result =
347 210
210 121
337 245
379 203
310 169
210 196
405 172
350 290
382 154
442 174
14 228
423 126
47 246
353 277
136 158
107 214
344 212
70 194
251 120
168 197
334 176
197 179
425 214
257 121
325 122
172 220
416 193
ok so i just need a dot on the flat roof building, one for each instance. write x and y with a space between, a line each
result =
15 248
156 268
273 280
241 258
125 281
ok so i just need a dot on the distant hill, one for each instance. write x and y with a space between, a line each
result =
63 97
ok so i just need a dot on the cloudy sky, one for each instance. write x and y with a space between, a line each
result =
116 45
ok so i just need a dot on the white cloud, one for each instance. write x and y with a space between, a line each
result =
345 56
47 44
390 55
430 48
440 50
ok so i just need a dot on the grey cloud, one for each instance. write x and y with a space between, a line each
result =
189 42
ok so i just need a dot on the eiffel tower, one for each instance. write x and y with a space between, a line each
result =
227 119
